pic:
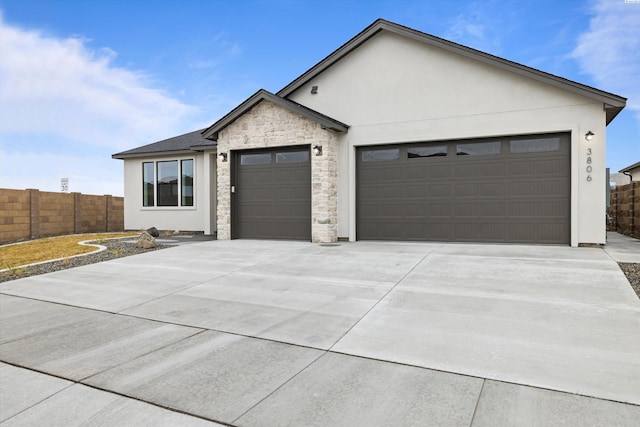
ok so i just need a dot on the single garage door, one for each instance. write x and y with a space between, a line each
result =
271 194
512 189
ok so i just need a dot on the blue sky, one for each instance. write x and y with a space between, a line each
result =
81 80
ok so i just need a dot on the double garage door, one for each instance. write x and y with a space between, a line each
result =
508 190
513 189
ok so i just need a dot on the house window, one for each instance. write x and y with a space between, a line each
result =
148 188
167 183
187 182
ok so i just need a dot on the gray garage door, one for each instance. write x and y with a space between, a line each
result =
512 189
272 194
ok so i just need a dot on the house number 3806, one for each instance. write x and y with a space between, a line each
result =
589 168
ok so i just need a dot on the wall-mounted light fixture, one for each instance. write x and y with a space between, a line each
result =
317 150
222 157
589 136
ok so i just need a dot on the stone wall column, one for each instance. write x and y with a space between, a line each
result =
324 191
223 186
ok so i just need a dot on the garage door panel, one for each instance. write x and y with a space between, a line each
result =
438 210
391 191
416 172
438 171
513 190
414 191
551 167
391 174
415 210
467 189
492 189
435 191
479 169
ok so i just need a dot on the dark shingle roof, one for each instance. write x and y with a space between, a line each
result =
178 144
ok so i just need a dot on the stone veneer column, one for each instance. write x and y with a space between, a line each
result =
267 125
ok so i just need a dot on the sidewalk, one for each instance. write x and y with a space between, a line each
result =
622 248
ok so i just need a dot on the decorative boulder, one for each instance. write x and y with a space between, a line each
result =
146 241
153 232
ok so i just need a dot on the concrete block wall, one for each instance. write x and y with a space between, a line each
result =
625 209
268 125
93 215
56 213
15 215
29 214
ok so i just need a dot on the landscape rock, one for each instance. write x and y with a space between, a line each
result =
146 241
153 232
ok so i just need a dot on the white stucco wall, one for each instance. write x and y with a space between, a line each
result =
196 218
394 90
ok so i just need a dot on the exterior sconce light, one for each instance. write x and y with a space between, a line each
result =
589 136
222 157
317 150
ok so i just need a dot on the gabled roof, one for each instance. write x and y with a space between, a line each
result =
187 143
630 168
612 103
262 95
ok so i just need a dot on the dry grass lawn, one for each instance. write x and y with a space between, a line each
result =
40 250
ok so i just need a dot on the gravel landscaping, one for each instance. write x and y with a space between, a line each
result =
118 248
632 271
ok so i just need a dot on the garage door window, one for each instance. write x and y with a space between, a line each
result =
535 145
255 159
293 157
479 149
429 151
380 155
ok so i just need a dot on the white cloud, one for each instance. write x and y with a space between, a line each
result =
62 88
66 108
609 50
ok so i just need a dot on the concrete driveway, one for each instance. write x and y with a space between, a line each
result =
264 333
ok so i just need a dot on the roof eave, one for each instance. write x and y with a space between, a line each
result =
630 168
124 156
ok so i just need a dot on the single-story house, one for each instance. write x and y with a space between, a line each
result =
633 171
396 135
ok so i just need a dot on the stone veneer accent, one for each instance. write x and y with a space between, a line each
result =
269 125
